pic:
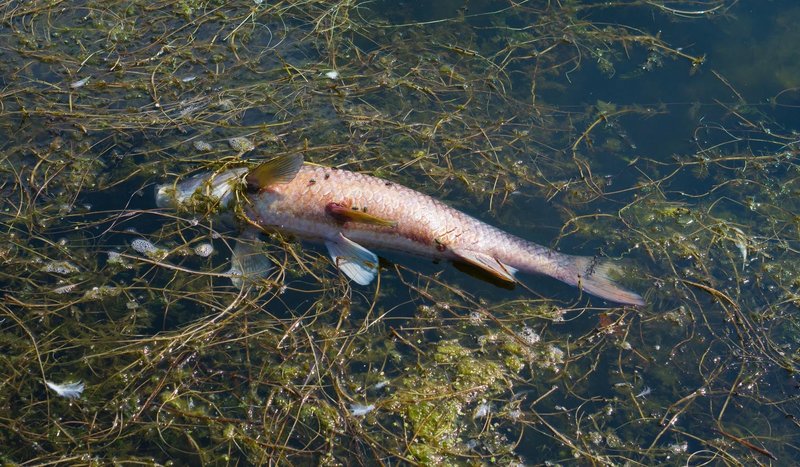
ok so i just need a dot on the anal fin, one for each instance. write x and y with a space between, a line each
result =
487 263
355 261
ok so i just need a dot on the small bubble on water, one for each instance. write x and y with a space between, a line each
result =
147 248
143 246
241 144
204 250
60 267
202 146
529 335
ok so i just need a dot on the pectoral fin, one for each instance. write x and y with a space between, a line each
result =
280 170
344 214
487 263
248 263
355 261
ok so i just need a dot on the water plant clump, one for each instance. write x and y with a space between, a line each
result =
125 335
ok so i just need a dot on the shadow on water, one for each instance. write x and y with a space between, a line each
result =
662 135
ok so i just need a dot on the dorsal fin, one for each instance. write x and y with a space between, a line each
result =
280 170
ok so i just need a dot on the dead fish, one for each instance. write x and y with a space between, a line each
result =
350 212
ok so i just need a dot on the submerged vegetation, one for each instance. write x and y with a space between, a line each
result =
123 338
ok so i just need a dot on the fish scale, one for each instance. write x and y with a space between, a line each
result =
299 208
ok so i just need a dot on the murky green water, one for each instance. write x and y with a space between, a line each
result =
662 134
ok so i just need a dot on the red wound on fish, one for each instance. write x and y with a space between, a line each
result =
336 210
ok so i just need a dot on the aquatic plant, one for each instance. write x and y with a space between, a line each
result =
485 108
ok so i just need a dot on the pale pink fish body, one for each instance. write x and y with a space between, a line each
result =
424 226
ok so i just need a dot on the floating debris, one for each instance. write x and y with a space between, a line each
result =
142 246
482 410
204 250
241 144
60 267
359 410
333 74
380 385
71 390
529 336
550 357
644 392
741 241
188 79
475 318
99 293
117 259
225 105
202 146
65 289
678 448
148 249
80 83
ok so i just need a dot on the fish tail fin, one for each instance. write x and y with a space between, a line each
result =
595 276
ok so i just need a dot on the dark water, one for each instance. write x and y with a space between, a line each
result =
585 127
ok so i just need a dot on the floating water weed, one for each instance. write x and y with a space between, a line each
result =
493 111
102 292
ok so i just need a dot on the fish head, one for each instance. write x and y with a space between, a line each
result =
216 188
